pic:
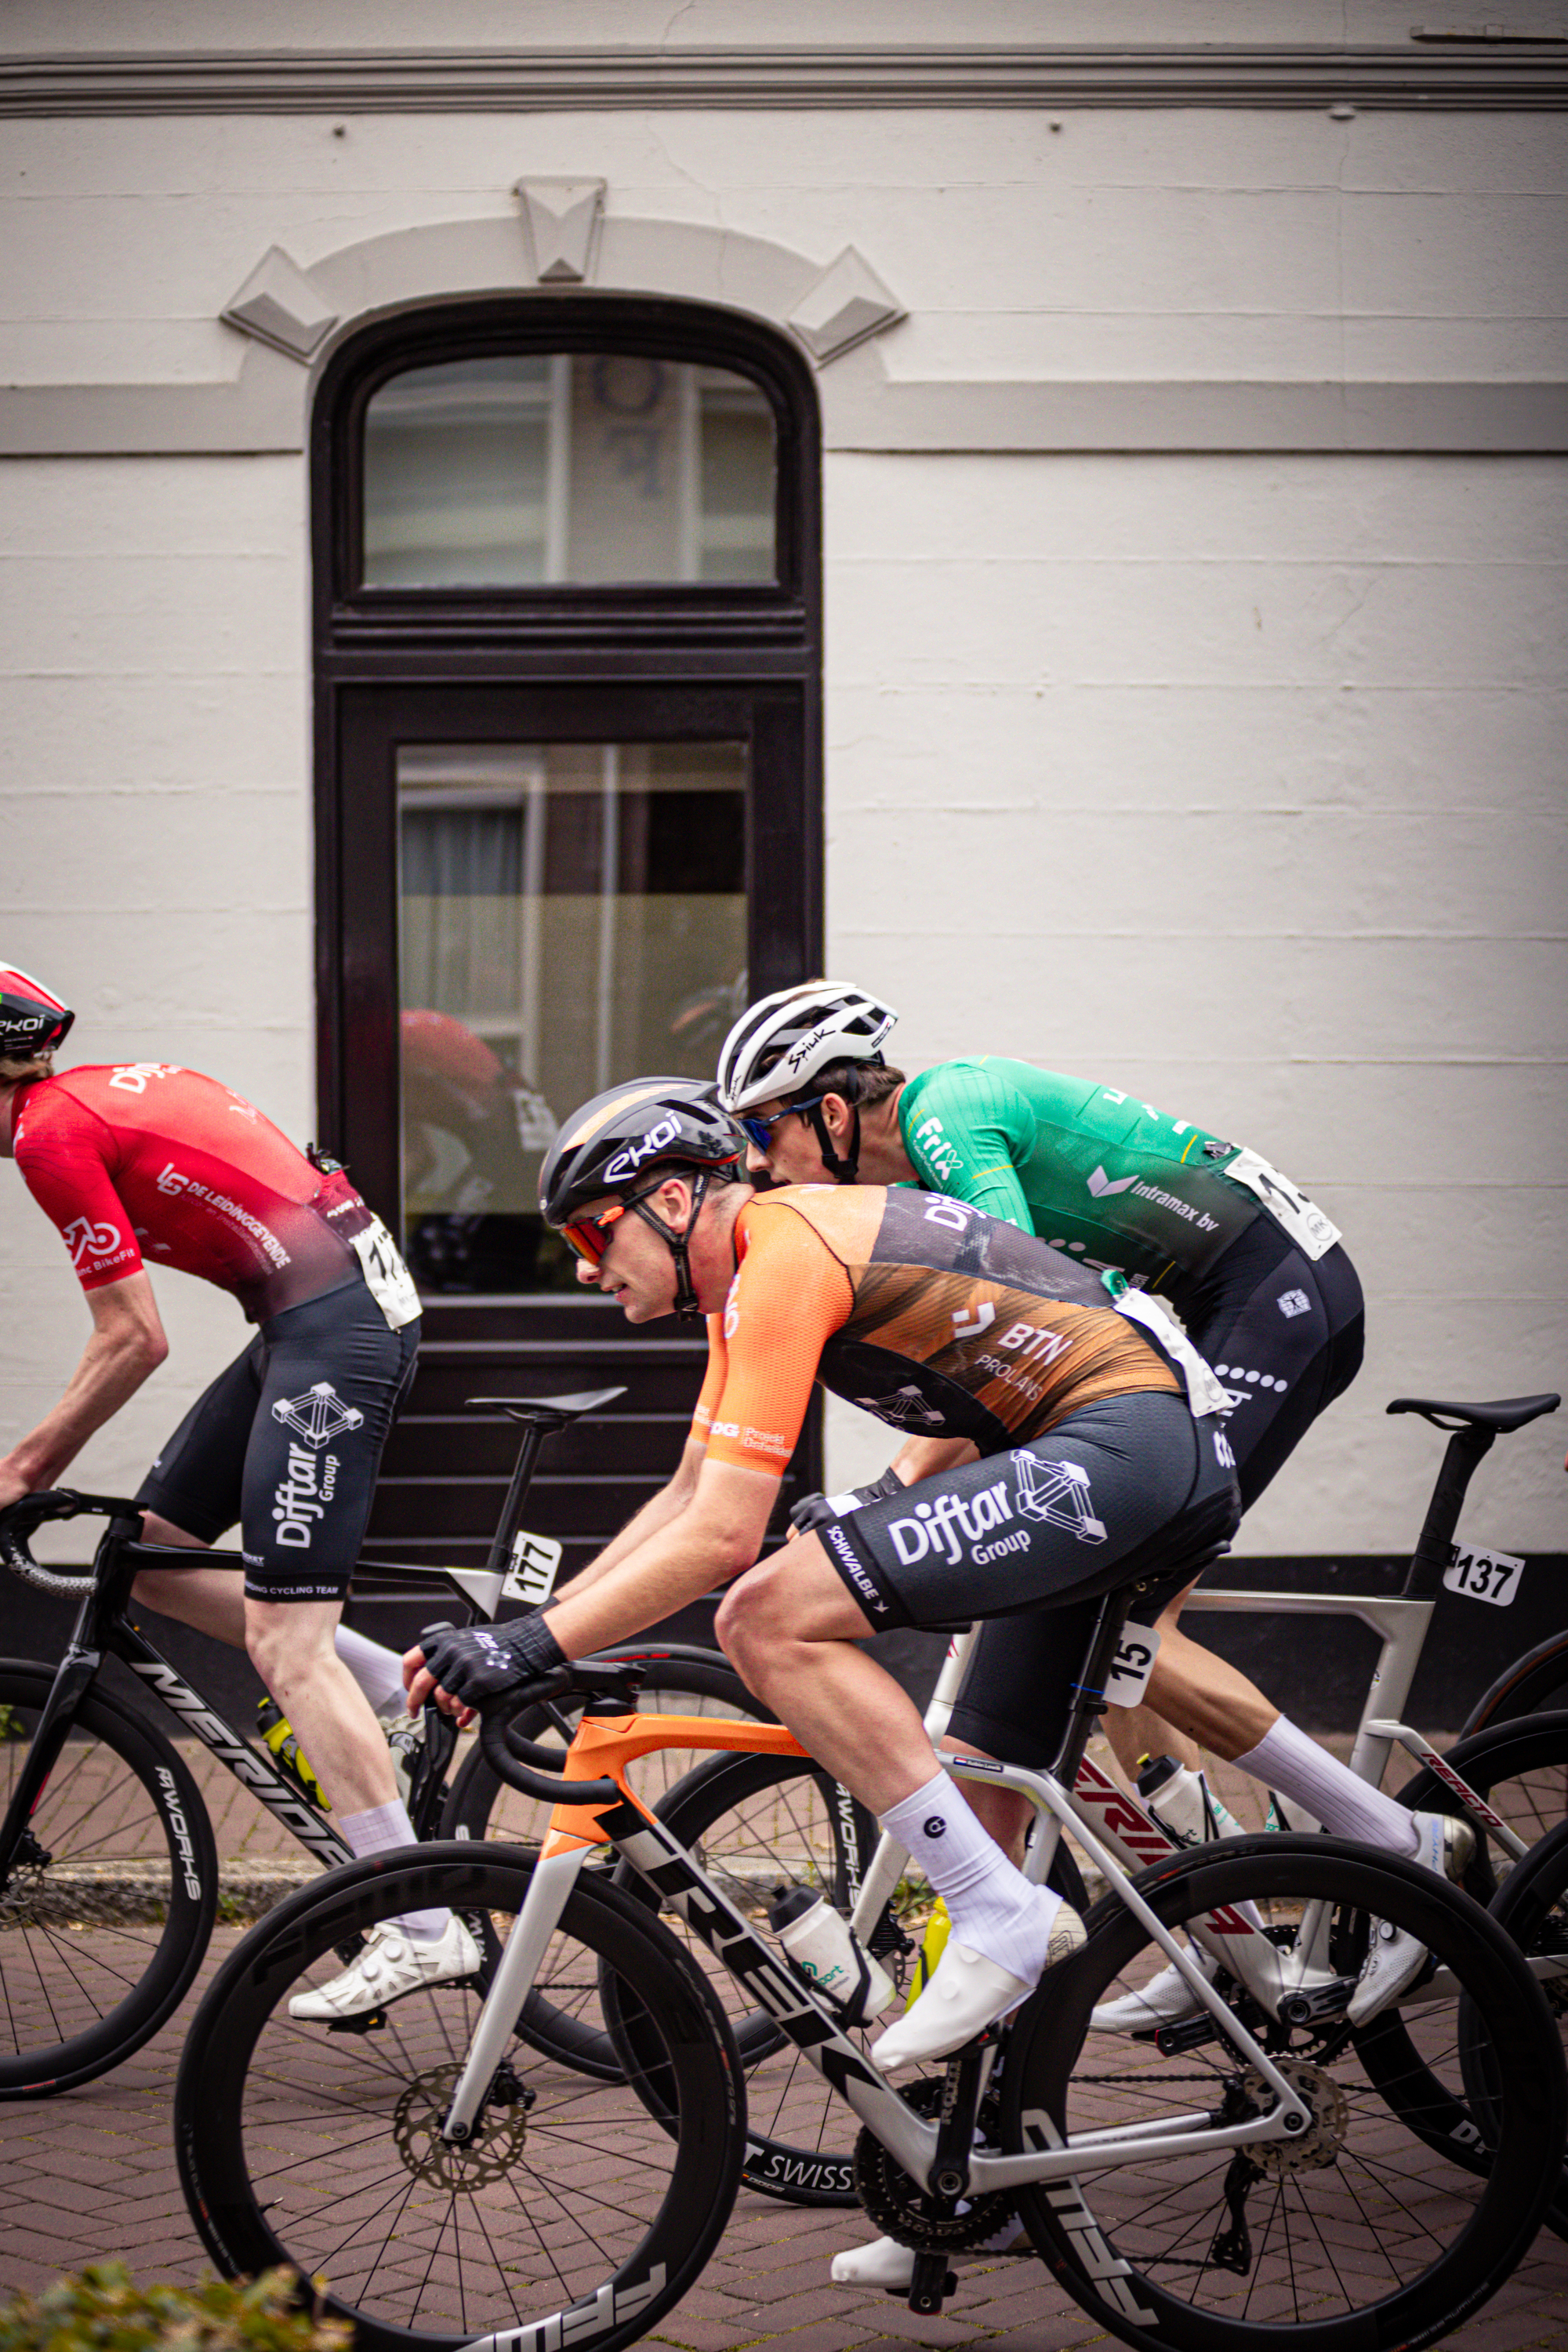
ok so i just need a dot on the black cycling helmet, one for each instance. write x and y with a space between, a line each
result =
31 1020
612 1143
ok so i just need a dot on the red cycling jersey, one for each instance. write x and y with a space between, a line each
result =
145 1158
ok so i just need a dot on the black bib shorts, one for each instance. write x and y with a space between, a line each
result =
287 1442
1029 1539
1285 1334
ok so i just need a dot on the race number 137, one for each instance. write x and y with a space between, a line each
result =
1484 1575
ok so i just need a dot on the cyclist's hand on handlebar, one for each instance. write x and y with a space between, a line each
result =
464 1670
12 1487
815 1510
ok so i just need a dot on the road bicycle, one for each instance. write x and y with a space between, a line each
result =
1511 1781
457 2184
108 1876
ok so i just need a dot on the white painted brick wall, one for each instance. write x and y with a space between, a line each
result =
154 785
1235 782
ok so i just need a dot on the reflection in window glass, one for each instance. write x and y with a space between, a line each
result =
570 915
587 467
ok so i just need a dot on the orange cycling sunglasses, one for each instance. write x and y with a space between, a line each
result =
591 1237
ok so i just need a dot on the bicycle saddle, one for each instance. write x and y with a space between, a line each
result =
1506 1413
548 1412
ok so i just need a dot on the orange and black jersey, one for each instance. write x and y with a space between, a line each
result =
937 1319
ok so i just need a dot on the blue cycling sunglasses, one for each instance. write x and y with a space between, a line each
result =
755 1130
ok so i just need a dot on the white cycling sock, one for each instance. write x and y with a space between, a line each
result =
1287 1759
377 1670
994 1909
376 1830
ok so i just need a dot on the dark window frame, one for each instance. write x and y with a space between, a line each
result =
763 642
659 620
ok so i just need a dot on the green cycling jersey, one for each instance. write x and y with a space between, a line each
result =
1088 1169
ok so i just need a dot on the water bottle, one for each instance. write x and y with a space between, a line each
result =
821 1947
277 1733
1183 1804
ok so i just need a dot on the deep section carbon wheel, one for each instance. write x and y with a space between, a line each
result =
1361 2231
580 2206
108 1902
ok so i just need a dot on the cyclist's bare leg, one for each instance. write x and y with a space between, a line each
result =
790 1627
210 1599
290 1646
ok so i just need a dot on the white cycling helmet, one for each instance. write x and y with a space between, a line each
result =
778 1045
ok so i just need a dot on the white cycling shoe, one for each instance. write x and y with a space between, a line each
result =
967 1992
1166 2000
1395 1958
885 2264
391 1964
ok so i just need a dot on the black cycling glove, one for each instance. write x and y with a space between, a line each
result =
490 1659
815 1510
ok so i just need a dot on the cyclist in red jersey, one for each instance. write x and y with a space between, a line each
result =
147 1163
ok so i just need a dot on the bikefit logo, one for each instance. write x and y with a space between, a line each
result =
85 1240
319 1415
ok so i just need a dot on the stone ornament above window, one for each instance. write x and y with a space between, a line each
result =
562 218
847 303
279 306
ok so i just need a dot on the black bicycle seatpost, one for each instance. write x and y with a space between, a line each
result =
516 1495
1088 1701
1465 1449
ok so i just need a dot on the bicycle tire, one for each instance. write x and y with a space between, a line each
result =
124 1835
1531 1906
481 1806
1520 1767
575 2215
1362 2236
757 1820
1536 1683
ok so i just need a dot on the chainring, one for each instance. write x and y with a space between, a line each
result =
900 2210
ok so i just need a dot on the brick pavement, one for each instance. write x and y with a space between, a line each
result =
92 2173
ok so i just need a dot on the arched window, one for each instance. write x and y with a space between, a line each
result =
568 683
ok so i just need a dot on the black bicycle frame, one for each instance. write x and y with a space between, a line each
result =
101 1630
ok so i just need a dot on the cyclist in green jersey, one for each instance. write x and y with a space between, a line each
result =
1255 1271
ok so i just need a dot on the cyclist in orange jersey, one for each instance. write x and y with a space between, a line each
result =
1101 1459
1093 1466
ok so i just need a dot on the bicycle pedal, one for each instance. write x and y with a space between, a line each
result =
370 2021
931 2284
1173 2041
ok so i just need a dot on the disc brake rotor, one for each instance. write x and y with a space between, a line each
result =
1324 2137
500 2133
